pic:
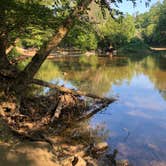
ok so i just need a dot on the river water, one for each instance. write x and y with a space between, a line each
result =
135 125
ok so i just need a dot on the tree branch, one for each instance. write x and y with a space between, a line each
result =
74 92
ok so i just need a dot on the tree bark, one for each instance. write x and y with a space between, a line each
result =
70 91
4 62
31 69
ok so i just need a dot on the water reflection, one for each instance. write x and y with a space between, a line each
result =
137 120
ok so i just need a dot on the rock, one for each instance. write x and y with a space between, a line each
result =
123 163
101 146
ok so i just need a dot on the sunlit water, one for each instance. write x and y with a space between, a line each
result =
136 123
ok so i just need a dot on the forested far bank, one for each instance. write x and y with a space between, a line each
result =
127 33
151 26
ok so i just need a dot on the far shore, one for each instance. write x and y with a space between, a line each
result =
27 53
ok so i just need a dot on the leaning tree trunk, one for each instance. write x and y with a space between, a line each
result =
24 78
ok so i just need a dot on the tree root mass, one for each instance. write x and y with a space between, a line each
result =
28 115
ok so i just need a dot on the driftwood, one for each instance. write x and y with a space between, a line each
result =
71 91
57 112
93 111
102 101
10 74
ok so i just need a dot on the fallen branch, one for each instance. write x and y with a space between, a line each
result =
58 110
71 91
93 111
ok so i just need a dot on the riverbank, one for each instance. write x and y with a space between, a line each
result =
65 153
67 148
42 130
138 49
76 146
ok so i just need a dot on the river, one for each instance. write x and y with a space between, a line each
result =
135 124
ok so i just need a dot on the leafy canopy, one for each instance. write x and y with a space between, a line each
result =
34 21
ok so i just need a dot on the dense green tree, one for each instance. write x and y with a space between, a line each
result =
152 25
160 30
81 36
117 31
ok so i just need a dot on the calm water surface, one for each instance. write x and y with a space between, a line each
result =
135 125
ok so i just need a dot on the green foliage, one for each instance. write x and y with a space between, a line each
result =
35 36
136 45
13 54
117 31
152 24
81 36
107 30
161 26
26 19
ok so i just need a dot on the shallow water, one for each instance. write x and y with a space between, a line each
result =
135 125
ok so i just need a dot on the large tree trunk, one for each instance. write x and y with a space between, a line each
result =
31 69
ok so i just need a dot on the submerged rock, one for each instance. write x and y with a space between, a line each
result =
123 163
101 146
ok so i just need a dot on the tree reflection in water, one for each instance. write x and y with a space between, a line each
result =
98 75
